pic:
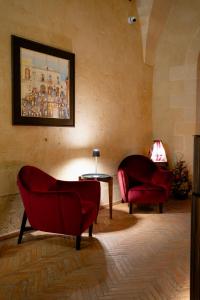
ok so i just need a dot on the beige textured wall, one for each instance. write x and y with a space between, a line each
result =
113 91
175 79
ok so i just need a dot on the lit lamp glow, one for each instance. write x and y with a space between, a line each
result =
157 152
96 154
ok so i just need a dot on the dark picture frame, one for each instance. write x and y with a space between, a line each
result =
43 84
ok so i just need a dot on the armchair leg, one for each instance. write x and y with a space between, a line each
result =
90 230
78 242
22 229
160 208
130 208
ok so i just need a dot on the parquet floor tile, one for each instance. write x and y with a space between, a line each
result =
144 256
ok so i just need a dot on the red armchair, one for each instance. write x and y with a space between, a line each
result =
141 181
64 207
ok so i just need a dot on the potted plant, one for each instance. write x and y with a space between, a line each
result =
181 184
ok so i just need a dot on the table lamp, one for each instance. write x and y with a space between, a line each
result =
96 154
158 154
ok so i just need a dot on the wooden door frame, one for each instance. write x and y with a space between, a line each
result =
195 225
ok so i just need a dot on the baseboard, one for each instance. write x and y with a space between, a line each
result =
107 205
9 235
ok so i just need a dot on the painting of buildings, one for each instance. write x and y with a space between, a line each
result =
44 85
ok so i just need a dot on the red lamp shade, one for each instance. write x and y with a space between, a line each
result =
157 152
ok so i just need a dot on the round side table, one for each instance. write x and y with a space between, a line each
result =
104 178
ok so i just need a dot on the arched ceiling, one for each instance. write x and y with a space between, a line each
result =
153 16
144 8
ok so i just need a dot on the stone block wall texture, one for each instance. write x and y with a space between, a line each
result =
113 106
175 100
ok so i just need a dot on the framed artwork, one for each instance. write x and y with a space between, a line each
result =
43 87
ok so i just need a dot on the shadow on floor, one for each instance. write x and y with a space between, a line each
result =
121 220
52 264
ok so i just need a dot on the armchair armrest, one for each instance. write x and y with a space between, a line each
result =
123 184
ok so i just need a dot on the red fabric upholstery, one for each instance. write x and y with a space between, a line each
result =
141 181
51 205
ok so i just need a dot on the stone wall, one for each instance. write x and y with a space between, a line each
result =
112 92
175 80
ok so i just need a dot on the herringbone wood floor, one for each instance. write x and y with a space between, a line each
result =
144 256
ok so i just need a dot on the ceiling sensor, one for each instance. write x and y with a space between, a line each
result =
131 20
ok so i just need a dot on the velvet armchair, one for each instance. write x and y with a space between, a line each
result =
141 181
51 205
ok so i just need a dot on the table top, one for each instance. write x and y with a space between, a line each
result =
95 175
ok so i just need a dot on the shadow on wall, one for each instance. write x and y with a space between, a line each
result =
11 210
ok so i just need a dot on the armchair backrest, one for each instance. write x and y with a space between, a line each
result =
138 168
34 179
